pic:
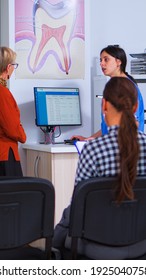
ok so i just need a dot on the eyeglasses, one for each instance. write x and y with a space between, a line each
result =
15 65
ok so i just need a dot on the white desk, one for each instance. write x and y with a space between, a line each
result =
56 162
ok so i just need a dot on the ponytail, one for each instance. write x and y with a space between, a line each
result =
129 152
122 94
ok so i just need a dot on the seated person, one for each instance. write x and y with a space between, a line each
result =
109 155
113 62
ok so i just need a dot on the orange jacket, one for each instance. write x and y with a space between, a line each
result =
11 130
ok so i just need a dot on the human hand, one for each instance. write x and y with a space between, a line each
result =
81 138
89 138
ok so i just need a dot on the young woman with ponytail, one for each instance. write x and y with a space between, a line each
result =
120 153
119 106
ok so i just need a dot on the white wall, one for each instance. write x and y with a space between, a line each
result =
106 22
118 22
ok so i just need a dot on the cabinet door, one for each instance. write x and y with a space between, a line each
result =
63 177
60 169
39 164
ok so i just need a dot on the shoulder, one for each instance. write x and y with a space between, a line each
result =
97 144
140 98
5 92
6 95
3 89
137 87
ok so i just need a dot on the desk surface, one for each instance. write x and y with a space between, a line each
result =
50 148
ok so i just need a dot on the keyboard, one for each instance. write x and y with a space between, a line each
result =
70 141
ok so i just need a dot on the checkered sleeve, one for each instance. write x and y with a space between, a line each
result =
86 164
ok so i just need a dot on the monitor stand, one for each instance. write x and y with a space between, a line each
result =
48 134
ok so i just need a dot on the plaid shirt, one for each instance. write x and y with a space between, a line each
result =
100 157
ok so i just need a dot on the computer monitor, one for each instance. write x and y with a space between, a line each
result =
57 106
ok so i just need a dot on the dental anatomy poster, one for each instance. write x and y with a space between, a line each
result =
50 39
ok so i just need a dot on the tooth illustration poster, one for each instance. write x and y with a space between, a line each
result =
50 39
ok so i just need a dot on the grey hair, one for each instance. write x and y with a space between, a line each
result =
7 56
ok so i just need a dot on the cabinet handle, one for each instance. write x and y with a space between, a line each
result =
36 174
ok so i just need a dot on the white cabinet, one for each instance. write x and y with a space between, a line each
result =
58 164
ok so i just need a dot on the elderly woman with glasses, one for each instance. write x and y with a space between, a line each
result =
11 129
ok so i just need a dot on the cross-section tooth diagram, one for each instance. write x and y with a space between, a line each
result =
50 39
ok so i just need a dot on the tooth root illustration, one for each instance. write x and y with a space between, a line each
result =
47 34
52 37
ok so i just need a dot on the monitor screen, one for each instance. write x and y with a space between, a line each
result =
57 106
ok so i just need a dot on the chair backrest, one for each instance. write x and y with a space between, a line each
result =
26 211
97 217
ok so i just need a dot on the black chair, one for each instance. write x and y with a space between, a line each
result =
26 214
97 219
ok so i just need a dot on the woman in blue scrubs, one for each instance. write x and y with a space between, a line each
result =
113 63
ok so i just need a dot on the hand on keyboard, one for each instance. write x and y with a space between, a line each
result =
71 141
